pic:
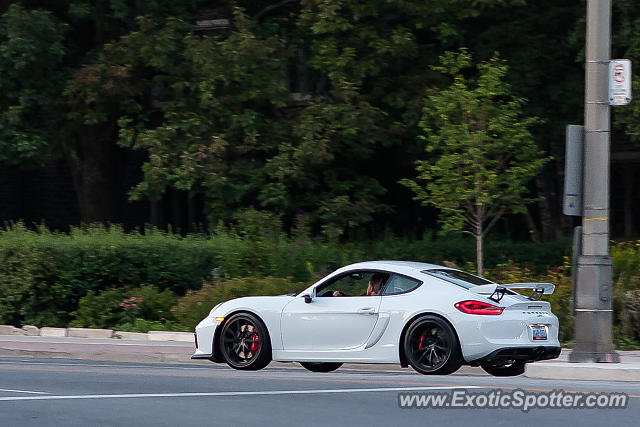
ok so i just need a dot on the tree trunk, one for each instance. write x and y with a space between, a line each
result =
546 217
628 201
531 224
94 169
479 248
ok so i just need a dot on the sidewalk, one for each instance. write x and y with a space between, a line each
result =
131 350
560 369
107 349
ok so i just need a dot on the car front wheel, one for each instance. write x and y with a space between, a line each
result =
431 346
245 342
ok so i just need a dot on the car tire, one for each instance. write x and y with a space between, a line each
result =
517 367
431 346
245 343
320 366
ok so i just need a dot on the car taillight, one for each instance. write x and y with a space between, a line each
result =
478 307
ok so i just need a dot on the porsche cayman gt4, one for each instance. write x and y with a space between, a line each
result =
431 317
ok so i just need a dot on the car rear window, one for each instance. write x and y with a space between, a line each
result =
458 277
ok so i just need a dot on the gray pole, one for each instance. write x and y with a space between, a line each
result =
592 300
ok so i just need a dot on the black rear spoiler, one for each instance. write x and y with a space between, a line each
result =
496 291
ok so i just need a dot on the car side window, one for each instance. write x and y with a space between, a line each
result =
351 284
400 285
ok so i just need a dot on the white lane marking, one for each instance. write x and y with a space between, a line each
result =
23 391
178 344
85 365
274 369
230 393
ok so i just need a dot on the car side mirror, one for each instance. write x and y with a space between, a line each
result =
307 298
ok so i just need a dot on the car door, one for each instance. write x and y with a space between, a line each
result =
332 322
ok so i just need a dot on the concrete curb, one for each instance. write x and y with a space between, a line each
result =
10 330
89 333
53 332
584 371
29 330
136 336
170 336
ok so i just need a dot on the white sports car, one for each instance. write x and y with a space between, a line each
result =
431 317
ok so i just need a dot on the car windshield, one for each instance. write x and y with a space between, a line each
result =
458 277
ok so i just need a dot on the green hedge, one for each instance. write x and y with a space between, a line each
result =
44 274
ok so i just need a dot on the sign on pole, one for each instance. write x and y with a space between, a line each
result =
619 82
573 170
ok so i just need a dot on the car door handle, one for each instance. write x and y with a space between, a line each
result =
367 310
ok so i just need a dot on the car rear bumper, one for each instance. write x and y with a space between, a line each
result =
526 354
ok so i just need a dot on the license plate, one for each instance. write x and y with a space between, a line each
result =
539 332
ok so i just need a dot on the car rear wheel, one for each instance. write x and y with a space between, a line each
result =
509 369
245 342
320 366
431 346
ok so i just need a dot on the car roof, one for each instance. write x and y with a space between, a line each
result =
395 265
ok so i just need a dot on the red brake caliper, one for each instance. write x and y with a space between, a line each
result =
254 342
422 338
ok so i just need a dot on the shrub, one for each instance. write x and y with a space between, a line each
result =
124 309
43 274
101 310
626 265
142 325
196 305
630 316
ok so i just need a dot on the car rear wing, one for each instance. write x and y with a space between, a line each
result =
496 291
538 288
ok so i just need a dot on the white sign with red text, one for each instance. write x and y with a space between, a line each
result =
619 82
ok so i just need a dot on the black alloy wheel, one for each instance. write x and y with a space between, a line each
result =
431 346
321 366
245 342
509 369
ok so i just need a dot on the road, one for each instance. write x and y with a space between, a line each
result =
54 392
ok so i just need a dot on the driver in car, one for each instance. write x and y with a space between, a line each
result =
375 283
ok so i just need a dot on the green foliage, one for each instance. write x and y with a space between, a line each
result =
125 309
217 96
100 310
484 154
626 265
31 53
194 306
213 110
43 275
626 294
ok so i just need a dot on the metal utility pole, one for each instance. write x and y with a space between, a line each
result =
593 305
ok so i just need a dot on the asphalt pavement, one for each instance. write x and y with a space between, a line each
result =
56 392
129 350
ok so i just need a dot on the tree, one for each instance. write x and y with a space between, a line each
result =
31 51
218 97
483 154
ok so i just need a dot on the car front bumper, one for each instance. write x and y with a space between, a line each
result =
205 338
